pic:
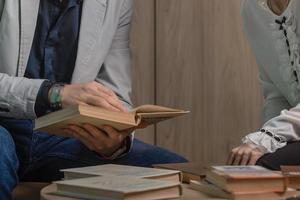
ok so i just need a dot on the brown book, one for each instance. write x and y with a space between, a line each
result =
246 179
55 122
122 170
292 174
190 171
214 191
118 188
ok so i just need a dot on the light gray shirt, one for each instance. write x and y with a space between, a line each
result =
275 43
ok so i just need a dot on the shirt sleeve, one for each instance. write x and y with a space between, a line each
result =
116 70
278 131
42 106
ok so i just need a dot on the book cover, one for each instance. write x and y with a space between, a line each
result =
122 170
246 179
118 187
214 191
292 174
246 172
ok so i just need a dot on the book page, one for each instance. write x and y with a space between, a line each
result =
154 109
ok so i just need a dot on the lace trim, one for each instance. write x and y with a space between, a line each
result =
284 31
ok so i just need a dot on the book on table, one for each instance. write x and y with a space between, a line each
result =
118 188
215 191
246 179
190 171
83 114
292 174
122 170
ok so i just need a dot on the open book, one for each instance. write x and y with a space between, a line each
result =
55 122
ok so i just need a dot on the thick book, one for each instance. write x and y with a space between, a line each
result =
122 170
190 171
83 114
214 191
292 174
118 188
246 179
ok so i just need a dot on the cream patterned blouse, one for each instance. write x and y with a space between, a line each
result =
275 42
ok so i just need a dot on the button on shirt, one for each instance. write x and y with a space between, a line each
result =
54 48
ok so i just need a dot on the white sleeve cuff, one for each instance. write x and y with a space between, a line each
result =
268 142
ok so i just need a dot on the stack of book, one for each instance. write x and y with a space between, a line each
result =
189 171
292 174
119 182
243 183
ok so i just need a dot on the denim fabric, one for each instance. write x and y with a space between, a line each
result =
8 164
42 155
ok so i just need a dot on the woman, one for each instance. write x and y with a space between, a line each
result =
273 29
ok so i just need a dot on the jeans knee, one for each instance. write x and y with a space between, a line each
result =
7 146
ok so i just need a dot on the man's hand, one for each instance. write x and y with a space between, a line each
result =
92 93
103 141
245 154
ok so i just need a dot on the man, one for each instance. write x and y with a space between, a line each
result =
60 53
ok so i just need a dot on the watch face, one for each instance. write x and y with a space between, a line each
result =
55 97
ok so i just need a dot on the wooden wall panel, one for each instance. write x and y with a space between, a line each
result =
204 64
142 44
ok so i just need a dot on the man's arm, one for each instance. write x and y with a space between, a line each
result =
18 96
116 71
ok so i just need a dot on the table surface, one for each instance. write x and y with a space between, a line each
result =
188 194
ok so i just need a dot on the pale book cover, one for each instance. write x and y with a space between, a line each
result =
55 122
242 172
118 187
292 174
246 179
215 191
122 170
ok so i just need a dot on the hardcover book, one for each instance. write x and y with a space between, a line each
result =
118 188
83 114
292 174
214 191
122 170
246 179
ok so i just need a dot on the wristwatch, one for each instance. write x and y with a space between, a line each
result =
54 96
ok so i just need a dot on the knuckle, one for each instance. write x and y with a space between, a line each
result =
240 153
99 148
247 152
235 150
120 138
110 145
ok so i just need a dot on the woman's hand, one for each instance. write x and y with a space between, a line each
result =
245 154
92 93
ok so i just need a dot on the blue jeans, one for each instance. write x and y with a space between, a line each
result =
40 156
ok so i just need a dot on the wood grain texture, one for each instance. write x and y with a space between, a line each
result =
143 54
204 64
